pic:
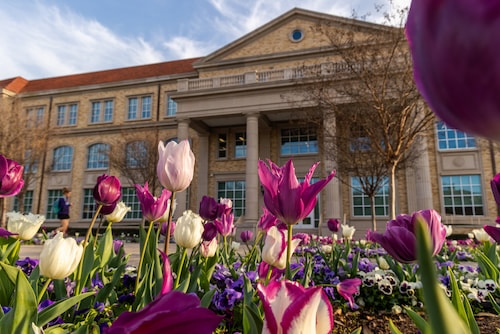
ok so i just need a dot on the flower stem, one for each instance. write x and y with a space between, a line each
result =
179 271
288 252
169 221
44 288
97 231
141 260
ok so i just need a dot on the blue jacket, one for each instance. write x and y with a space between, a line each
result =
63 206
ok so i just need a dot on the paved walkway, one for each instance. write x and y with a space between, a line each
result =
132 249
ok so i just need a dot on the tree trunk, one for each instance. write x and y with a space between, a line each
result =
372 206
3 215
392 191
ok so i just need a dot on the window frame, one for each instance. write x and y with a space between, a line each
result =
239 185
222 146
129 197
171 107
443 132
94 160
458 200
102 114
131 161
27 202
296 149
137 111
52 195
382 194
240 150
67 114
59 166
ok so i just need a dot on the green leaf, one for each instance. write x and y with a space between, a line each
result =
456 297
357 330
105 247
471 320
443 318
487 267
252 319
494 303
420 322
393 328
206 300
55 310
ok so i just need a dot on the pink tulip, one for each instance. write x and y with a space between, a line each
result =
493 232
168 280
107 190
286 198
348 288
275 244
175 165
289 308
11 177
454 46
152 208
495 188
225 224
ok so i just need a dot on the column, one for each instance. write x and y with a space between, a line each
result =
202 162
251 177
332 193
181 197
419 179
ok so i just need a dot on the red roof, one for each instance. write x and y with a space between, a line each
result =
114 75
13 84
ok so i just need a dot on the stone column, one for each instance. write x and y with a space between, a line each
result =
202 162
181 197
419 180
332 194
251 177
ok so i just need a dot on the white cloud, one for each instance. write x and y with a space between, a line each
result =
183 47
47 41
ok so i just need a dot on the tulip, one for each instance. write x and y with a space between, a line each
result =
152 208
208 208
173 312
117 246
348 231
11 177
348 288
5 233
209 231
188 230
118 213
495 188
286 198
209 248
481 235
292 309
449 230
460 81
225 206
493 232
264 269
399 238
267 220
333 225
168 280
275 245
59 257
164 226
246 236
107 190
225 225
26 226
175 165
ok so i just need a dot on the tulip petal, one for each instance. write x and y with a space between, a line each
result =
493 232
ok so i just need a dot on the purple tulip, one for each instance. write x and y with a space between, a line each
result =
208 208
5 234
107 190
495 188
333 225
209 231
108 209
348 288
172 313
454 46
225 224
291 308
246 236
175 166
11 177
399 238
286 198
494 232
152 208
168 279
117 245
163 229
267 220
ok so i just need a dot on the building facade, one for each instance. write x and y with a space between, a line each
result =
236 106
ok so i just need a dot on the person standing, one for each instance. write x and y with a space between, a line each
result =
63 212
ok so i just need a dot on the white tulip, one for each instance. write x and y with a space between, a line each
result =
209 248
26 226
348 231
449 230
59 257
188 229
118 213
481 235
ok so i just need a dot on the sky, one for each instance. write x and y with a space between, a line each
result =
47 38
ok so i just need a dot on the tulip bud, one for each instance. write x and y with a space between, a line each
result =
209 248
274 250
209 231
175 166
107 190
59 257
188 230
246 236
118 213
208 208
11 177
348 231
152 208
25 226
225 224
333 225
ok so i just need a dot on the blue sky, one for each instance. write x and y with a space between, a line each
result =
45 38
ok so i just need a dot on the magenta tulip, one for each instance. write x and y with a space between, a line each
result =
5 233
495 188
286 198
208 208
348 288
11 177
152 208
246 236
225 224
168 279
289 308
493 232
399 238
333 225
107 190
175 165
454 46
267 220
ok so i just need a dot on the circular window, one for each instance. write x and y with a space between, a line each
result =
296 35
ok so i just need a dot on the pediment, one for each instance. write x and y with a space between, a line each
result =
281 38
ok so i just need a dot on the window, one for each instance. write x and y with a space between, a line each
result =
51 198
89 206
312 220
462 195
129 197
63 157
171 107
451 139
67 114
360 142
235 191
98 156
27 202
139 107
34 117
136 154
30 162
102 111
240 145
222 142
299 141
361 202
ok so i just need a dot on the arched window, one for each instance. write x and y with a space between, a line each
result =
98 156
136 154
63 158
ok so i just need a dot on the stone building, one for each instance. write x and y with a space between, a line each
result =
236 105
